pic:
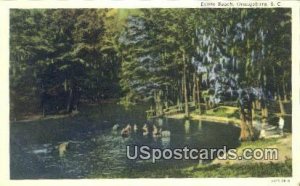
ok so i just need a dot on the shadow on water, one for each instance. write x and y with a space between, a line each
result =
93 148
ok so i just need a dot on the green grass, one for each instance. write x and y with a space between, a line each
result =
223 111
244 170
262 143
216 170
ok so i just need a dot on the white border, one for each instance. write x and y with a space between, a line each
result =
4 91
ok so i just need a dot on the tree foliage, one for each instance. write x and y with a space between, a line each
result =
162 56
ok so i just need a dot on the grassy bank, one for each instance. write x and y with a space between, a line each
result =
241 168
244 170
283 169
227 115
222 114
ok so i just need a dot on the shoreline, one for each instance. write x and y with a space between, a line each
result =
221 120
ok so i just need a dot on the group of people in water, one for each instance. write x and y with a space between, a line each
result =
146 130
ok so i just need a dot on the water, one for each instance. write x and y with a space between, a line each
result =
94 149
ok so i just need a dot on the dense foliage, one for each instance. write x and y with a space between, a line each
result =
163 56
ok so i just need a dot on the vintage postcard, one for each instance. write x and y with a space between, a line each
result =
105 92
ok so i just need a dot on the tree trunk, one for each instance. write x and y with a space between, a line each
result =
264 111
284 90
186 109
194 90
281 105
179 95
198 94
253 110
210 104
66 85
182 87
70 101
158 103
206 104
257 105
166 98
246 127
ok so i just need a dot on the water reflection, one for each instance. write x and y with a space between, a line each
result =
94 146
